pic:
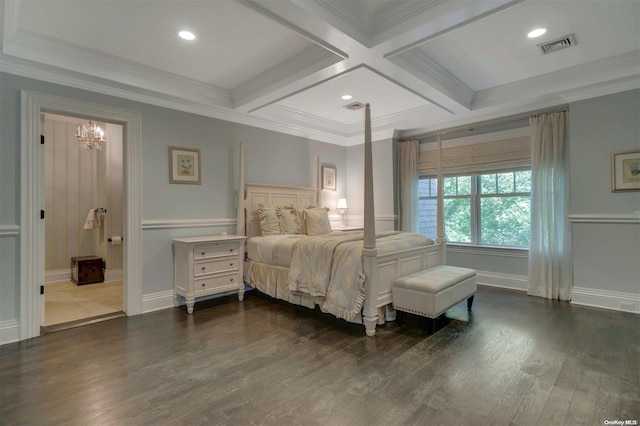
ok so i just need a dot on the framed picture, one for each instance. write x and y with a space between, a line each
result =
184 165
625 171
329 178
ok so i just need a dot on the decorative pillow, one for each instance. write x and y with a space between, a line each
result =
298 214
288 223
317 221
269 222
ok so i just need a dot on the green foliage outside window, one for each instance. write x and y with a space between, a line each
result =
496 204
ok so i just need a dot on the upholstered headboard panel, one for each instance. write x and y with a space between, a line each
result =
274 195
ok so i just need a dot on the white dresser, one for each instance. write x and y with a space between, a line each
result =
207 265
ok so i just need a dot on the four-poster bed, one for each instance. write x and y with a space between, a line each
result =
381 259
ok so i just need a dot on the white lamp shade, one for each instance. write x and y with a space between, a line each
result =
342 204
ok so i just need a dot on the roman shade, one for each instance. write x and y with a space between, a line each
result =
506 149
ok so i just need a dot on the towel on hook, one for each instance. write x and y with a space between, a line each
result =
92 221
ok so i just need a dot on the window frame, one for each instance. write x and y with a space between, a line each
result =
475 197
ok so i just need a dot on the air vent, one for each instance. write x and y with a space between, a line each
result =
558 44
354 106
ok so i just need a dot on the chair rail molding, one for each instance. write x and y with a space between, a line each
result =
605 218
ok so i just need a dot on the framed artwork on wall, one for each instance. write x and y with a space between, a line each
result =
625 171
184 165
329 178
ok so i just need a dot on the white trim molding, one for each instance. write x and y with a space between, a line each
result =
500 280
32 274
188 223
157 301
521 253
57 275
614 300
9 332
9 230
605 218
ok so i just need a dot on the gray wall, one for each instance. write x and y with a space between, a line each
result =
270 158
606 250
598 127
383 184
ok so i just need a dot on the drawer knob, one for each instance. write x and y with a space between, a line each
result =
203 268
231 279
203 284
203 253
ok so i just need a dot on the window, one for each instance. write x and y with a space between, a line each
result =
485 209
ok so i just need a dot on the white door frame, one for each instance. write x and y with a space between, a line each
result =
31 228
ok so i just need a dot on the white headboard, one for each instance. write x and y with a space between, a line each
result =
274 195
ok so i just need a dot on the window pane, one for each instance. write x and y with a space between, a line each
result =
505 183
464 185
488 184
427 187
428 217
505 221
523 181
457 222
450 187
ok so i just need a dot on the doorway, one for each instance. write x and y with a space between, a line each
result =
83 225
32 235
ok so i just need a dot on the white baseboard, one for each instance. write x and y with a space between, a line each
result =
113 275
614 300
57 275
9 332
65 275
497 279
157 301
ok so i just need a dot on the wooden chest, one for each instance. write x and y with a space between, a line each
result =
87 270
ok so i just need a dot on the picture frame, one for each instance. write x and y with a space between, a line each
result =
184 165
625 171
329 178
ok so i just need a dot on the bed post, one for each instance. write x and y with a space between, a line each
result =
369 252
240 220
441 238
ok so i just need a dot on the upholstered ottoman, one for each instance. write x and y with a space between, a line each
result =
431 292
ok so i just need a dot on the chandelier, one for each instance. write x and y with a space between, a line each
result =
90 135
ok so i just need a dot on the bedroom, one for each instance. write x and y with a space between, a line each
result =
604 120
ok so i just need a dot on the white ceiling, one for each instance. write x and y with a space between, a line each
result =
283 65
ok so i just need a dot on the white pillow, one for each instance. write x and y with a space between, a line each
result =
288 223
317 221
269 222
298 214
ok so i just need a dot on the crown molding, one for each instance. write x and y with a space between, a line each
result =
419 65
255 93
570 80
256 7
78 59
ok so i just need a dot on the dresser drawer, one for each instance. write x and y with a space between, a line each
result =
204 251
229 263
204 285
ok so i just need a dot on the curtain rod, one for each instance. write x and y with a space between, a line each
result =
487 123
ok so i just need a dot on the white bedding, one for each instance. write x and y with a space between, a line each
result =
327 267
260 249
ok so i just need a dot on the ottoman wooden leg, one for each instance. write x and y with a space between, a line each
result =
469 303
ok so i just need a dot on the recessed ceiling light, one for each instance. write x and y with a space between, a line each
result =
346 97
187 35
537 32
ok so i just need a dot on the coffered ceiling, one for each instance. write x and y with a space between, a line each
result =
283 65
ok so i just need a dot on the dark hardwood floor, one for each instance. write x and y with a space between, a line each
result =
514 360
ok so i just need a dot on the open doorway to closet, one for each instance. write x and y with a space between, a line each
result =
83 224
